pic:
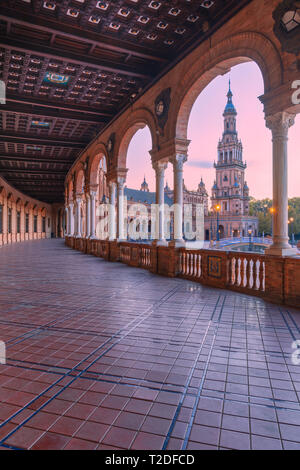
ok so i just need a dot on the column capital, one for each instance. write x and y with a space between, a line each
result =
160 165
92 194
178 161
113 175
121 181
280 123
112 183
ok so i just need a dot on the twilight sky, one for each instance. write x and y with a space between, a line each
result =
205 129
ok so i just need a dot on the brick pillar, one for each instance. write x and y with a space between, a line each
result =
275 279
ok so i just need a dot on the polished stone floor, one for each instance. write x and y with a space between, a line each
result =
102 356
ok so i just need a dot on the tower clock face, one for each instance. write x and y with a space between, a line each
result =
160 107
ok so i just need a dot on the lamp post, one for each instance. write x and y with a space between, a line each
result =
217 209
250 233
272 212
290 222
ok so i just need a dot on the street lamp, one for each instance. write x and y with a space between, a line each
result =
250 233
217 209
290 222
272 211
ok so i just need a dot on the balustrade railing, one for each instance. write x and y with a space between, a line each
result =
274 278
190 264
246 271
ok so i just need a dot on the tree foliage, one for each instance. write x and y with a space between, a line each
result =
261 209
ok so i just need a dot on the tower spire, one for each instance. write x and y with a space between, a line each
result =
230 109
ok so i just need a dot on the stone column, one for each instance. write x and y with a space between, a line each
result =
71 219
178 161
112 211
160 168
93 214
78 218
279 124
120 207
88 216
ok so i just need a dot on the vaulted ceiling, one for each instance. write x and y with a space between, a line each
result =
70 66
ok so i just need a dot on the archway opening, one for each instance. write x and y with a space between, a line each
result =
230 154
140 184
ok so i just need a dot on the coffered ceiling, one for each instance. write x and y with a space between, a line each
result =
70 66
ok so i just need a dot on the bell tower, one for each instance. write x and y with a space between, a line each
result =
230 190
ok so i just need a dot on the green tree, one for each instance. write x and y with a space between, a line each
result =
261 209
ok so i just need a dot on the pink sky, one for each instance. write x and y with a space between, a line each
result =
205 129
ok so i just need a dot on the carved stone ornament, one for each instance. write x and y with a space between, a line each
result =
111 143
162 106
287 25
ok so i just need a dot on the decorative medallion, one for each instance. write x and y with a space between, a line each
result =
56 78
111 143
42 124
214 266
287 25
162 105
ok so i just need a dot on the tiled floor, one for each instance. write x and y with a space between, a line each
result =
102 356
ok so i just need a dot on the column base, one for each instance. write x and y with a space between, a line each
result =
177 243
279 251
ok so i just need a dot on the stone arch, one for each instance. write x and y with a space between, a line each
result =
70 190
237 49
79 182
100 155
139 119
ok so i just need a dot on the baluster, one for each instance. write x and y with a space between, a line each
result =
255 275
191 264
186 263
248 283
232 262
263 276
237 271
243 272
199 265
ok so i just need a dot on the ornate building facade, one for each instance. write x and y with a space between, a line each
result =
230 192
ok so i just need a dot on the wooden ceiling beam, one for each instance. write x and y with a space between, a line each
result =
47 52
27 139
55 106
32 159
88 37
